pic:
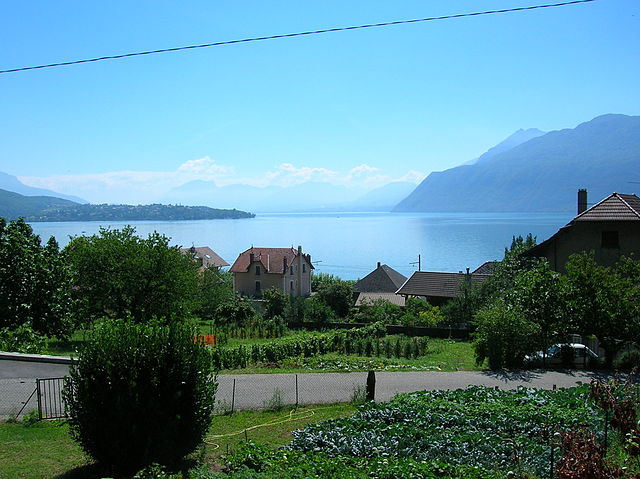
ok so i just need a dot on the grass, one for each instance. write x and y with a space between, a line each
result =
45 449
39 451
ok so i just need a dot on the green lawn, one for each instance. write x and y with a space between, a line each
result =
45 449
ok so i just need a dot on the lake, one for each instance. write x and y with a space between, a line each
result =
349 244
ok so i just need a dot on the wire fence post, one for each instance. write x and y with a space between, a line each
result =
233 396
39 399
371 386
296 392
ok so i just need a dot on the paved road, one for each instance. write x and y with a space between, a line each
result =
17 382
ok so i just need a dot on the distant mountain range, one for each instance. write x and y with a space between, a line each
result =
48 208
12 183
542 173
310 196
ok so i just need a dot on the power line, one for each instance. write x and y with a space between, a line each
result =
298 34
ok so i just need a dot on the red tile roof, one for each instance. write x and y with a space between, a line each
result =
272 259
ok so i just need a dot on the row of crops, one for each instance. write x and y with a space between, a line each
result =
473 433
367 341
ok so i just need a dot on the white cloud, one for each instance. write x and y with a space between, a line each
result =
147 186
131 186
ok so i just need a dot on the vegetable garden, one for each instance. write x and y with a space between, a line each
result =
473 433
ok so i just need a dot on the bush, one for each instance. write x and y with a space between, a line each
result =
629 360
22 340
139 394
504 336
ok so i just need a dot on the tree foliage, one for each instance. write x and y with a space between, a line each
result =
337 295
504 336
276 303
603 301
140 393
35 282
214 287
120 275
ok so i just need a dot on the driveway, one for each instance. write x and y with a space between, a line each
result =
252 391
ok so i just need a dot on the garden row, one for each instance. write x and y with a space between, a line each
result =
367 341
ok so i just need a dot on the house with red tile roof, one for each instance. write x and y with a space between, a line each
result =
259 269
610 228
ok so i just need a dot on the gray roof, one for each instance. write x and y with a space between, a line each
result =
486 267
370 298
438 285
383 279
615 207
207 255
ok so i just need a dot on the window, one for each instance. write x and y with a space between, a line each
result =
291 286
610 239
258 288
304 268
291 270
257 270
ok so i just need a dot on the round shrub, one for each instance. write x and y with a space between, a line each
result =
140 394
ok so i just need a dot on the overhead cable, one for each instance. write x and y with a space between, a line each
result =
298 34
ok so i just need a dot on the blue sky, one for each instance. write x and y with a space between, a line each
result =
357 108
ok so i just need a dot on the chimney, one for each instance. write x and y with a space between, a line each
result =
251 258
284 265
378 264
582 201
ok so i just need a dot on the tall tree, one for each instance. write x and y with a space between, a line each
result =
599 303
35 282
120 275
541 294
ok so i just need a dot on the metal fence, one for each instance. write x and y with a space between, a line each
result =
235 392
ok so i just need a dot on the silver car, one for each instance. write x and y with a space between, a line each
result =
582 355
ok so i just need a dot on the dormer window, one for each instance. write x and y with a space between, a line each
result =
257 270
304 268
291 270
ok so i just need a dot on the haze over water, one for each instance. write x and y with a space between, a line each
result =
349 244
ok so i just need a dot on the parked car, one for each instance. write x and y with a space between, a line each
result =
569 354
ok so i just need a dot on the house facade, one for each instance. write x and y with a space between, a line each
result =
258 269
610 228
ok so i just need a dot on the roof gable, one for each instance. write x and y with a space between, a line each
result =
383 279
615 207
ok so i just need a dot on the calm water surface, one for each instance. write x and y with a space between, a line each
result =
349 244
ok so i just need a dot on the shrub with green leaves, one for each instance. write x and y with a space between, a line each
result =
140 393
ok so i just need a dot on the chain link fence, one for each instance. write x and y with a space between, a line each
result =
235 392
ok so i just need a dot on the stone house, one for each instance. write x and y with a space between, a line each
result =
286 269
610 228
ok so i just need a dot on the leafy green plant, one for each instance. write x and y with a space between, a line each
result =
140 393
120 275
22 340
